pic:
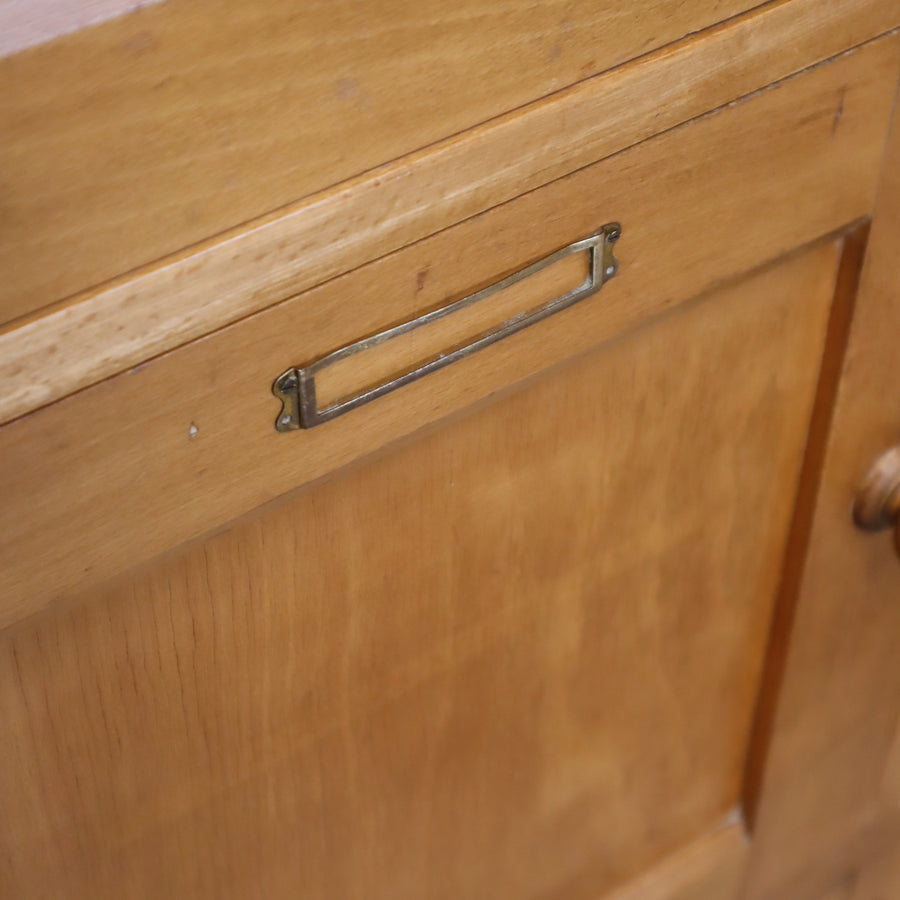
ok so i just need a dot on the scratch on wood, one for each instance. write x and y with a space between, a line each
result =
839 112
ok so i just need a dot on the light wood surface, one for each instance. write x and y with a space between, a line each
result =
879 878
709 869
135 138
105 331
515 658
824 807
163 454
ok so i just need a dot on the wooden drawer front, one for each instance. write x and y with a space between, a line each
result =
128 141
515 658
164 453
115 325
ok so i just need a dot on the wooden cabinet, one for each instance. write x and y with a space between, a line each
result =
581 614
518 654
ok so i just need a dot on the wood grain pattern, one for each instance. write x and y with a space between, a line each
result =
515 658
824 808
169 451
104 331
709 869
133 139
879 877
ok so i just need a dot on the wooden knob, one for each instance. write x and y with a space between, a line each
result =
877 503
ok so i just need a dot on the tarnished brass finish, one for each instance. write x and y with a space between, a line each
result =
296 388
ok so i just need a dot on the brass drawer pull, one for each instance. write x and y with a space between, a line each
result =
296 388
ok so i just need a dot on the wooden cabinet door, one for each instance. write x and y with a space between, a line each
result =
825 797
515 656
